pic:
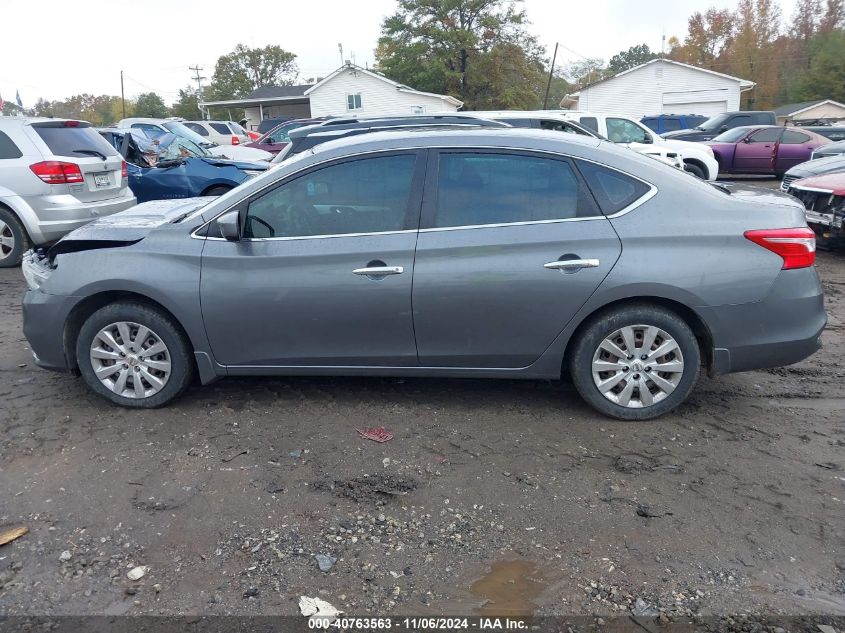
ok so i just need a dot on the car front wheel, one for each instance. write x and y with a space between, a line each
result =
635 362
134 355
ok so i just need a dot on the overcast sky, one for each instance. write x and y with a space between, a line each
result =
54 49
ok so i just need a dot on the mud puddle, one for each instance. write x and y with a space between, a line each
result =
509 589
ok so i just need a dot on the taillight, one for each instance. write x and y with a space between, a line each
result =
797 247
124 171
71 123
235 140
55 172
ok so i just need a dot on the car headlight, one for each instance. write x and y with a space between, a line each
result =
35 269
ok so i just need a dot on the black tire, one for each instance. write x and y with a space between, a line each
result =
217 191
695 170
12 228
182 368
589 338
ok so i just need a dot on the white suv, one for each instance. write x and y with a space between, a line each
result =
220 132
55 175
698 158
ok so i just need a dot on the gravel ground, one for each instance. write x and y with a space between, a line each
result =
492 497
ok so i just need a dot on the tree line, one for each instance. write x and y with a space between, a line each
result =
483 53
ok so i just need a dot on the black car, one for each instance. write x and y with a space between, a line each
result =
714 126
817 167
305 138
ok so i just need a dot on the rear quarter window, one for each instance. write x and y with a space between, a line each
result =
74 141
613 190
8 149
670 125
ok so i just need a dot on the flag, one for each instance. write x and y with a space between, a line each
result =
2 104
18 99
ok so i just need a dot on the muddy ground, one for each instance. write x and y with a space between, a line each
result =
493 496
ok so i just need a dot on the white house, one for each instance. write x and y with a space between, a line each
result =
348 91
826 109
360 92
661 86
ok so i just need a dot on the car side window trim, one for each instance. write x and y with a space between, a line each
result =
430 169
430 193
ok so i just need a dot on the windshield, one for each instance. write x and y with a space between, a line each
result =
713 124
185 132
732 136
280 134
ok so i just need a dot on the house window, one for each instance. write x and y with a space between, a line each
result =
353 102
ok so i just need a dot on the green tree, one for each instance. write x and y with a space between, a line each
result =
823 78
149 104
244 69
187 106
476 50
634 56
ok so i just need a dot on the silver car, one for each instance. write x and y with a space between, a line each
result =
55 175
498 253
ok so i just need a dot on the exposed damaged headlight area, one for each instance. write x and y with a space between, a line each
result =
818 201
36 268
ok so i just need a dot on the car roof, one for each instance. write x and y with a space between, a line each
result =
339 127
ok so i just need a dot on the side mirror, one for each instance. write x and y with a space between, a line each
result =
230 226
724 128
647 139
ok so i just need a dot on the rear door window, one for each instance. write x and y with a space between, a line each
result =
73 141
791 137
613 189
671 125
196 127
490 188
220 128
8 149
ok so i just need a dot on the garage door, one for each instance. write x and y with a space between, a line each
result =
706 108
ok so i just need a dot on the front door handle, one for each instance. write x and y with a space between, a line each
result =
572 264
378 271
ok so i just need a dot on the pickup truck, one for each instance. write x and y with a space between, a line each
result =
697 158
714 126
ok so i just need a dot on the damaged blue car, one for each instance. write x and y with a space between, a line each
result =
169 167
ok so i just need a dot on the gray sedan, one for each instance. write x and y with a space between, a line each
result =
495 253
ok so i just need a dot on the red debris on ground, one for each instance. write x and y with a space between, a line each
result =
377 434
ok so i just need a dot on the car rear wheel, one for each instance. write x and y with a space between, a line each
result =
134 355
14 241
635 362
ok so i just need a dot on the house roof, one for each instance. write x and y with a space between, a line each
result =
398 86
791 109
266 94
744 84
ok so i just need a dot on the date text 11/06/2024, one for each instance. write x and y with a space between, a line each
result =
421 623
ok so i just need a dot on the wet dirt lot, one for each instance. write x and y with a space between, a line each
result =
493 497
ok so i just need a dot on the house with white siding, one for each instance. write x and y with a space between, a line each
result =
348 91
356 91
661 86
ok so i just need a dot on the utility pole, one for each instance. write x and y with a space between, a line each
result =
551 72
340 50
198 79
122 99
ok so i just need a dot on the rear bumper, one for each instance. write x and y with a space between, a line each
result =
782 329
66 213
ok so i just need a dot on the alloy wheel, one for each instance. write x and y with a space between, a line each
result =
637 366
7 240
130 359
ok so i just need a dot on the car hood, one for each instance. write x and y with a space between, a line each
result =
819 166
126 227
238 152
834 183
240 164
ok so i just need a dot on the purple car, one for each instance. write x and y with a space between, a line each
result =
276 139
764 149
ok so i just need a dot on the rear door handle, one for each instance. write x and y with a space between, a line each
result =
572 264
378 271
